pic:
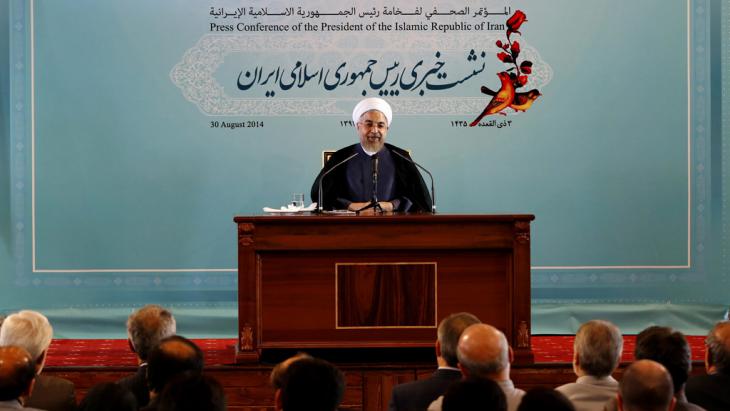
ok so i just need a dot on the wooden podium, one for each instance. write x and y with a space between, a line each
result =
344 281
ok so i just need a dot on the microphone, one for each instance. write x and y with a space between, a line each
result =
319 203
433 192
374 157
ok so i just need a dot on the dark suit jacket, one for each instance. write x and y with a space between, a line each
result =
52 394
417 395
711 392
137 383
410 188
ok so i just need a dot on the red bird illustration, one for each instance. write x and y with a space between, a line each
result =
522 101
501 100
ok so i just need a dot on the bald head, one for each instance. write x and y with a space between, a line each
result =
17 371
646 386
277 373
175 355
718 347
483 351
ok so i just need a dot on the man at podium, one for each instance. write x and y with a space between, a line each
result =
371 172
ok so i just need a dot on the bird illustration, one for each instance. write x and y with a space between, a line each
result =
501 100
521 102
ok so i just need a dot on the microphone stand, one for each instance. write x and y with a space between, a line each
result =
319 209
374 203
433 192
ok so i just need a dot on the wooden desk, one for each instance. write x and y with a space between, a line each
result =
318 282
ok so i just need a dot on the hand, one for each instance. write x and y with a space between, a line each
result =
387 206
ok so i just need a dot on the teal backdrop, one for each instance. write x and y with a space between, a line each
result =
121 169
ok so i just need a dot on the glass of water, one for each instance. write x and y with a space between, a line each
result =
297 200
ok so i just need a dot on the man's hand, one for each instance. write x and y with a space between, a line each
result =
387 206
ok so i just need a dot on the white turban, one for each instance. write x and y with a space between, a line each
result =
372 103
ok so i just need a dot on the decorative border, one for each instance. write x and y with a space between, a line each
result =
19 120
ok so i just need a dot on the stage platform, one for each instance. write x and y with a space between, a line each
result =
369 383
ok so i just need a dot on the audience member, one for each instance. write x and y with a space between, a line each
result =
545 399
174 355
17 375
483 352
146 327
108 396
670 349
596 354
310 384
31 331
192 392
277 373
477 394
646 386
417 395
712 391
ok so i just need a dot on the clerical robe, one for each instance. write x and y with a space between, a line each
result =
398 180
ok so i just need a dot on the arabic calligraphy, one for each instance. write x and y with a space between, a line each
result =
387 78
260 12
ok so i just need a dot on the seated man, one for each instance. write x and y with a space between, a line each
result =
416 395
711 391
646 386
17 375
351 185
31 331
174 356
310 384
596 354
484 353
146 327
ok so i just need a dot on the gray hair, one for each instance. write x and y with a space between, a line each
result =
448 334
598 345
29 330
147 326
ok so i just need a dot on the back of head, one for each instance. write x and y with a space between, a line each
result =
312 384
474 394
718 347
17 371
108 396
276 378
174 355
483 351
667 347
147 326
29 330
192 392
448 333
598 345
545 399
646 386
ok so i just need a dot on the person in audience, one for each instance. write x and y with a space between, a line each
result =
192 392
17 376
712 391
146 327
545 399
108 396
483 352
277 373
670 349
646 386
310 384
480 394
596 354
174 355
31 331
417 395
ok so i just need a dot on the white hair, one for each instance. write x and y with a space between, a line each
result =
29 330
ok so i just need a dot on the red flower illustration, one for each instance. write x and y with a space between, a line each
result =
526 67
514 22
506 58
